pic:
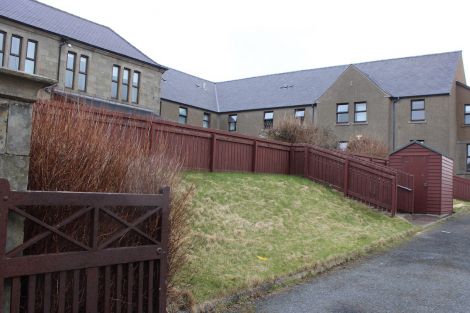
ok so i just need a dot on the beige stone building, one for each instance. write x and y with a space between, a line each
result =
415 98
89 60
421 98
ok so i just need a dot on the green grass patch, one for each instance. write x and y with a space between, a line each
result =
461 206
252 228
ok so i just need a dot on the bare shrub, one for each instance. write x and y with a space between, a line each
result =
293 131
78 148
368 146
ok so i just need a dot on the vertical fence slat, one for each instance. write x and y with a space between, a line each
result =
92 289
140 288
119 288
150 288
130 287
47 293
62 286
107 289
76 291
31 293
15 295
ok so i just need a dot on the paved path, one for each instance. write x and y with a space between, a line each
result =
431 273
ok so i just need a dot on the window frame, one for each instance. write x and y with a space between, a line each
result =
83 73
206 123
302 118
416 110
467 167
72 70
465 114
115 81
125 86
230 123
342 113
20 50
356 111
2 50
268 123
183 116
34 60
135 87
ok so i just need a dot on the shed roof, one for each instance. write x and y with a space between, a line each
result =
50 19
420 144
432 74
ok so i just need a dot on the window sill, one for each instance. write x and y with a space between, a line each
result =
417 122
343 124
361 123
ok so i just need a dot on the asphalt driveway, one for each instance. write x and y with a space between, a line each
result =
430 273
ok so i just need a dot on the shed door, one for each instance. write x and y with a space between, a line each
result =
417 165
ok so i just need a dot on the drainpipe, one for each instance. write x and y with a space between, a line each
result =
63 42
394 119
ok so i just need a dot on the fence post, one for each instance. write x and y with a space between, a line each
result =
213 152
165 231
346 177
255 155
394 196
306 161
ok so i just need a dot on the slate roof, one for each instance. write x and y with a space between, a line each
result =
425 75
50 19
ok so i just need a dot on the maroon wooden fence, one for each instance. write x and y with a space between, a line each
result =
461 188
363 180
107 255
214 150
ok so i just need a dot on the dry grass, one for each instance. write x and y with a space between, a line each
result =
76 148
292 131
253 228
461 206
368 146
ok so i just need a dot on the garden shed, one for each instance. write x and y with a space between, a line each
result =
433 177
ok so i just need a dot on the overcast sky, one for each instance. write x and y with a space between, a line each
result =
222 39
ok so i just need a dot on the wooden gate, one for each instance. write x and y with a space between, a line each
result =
83 252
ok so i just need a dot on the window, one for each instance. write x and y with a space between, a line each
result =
467 114
206 120
135 87
30 62
70 70
126 73
468 158
360 112
418 140
82 73
15 53
343 145
268 119
299 114
183 115
2 47
342 113
417 110
232 122
115 82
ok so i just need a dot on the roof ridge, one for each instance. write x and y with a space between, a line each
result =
194 76
333 66
409 57
282 73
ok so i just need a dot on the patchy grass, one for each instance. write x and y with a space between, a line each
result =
252 228
461 206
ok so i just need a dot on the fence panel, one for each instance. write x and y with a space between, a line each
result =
461 188
84 252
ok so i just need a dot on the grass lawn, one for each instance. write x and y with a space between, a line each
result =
251 228
461 206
